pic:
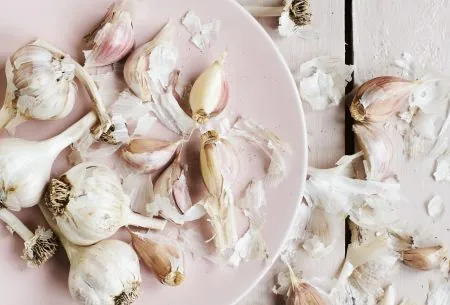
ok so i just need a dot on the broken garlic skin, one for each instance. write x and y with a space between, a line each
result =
107 273
210 93
112 40
424 258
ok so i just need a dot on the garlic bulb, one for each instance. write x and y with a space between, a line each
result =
136 71
210 92
299 11
112 39
424 258
89 205
41 85
378 99
21 187
38 247
162 255
148 156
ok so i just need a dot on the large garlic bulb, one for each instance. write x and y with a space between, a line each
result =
88 204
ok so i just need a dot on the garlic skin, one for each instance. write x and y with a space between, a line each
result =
210 93
162 255
112 39
378 99
40 85
149 156
38 247
89 205
424 258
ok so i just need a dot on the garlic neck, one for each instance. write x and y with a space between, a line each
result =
15 224
137 220
264 11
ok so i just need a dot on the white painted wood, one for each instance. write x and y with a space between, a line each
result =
383 29
325 128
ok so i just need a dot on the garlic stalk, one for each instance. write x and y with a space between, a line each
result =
162 255
148 156
378 99
210 93
424 258
112 39
89 205
39 247
299 11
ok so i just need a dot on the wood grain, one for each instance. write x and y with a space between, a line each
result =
383 29
325 128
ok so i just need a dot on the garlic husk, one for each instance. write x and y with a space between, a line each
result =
439 293
39 247
380 98
162 255
424 258
378 150
202 34
320 240
148 156
210 93
139 68
112 39
89 205
388 297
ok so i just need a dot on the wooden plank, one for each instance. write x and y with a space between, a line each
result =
383 29
325 128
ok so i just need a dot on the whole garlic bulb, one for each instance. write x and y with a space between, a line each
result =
210 93
89 205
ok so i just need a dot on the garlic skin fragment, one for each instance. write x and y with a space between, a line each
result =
202 35
162 255
39 247
148 156
435 207
388 297
112 39
439 293
210 93
424 258
89 205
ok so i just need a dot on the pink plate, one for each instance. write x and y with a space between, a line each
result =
262 88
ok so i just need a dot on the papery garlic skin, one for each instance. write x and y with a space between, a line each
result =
112 40
89 205
210 93
424 258
162 255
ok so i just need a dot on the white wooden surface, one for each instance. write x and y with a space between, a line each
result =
325 128
383 29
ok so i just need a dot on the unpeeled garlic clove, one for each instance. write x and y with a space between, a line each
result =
424 258
112 39
303 293
148 156
210 93
162 255
378 99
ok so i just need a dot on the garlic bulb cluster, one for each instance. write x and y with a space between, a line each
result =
89 205
162 255
38 247
210 92
112 39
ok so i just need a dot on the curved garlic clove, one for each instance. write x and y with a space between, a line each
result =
89 205
424 258
162 255
112 39
138 67
378 150
148 156
210 93
378 99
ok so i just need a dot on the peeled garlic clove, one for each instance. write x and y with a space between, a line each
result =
162 255
210 92
378 150
424 258
89 205
112 40
378 99
148 156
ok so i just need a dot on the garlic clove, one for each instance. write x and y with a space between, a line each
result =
148 156
378 99
162 255
112 39
210 93
424 258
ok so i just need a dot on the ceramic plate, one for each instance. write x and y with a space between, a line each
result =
262 88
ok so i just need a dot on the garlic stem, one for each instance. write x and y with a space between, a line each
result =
15 224
264 11
137 220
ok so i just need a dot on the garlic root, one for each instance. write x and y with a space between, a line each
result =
299 11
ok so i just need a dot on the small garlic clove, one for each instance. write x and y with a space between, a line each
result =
162 255
112 39
148 156
210 93
424 258
378 99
